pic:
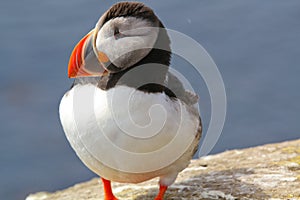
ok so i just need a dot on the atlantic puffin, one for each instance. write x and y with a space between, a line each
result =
127 117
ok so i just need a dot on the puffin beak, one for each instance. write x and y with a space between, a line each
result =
84 62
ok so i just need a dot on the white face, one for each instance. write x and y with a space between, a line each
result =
126 40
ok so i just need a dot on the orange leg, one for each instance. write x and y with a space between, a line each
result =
108 194
161 193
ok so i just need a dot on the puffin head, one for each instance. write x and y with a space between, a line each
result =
127 35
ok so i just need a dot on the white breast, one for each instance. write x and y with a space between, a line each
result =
123 131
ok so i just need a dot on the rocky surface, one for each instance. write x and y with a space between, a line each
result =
265 172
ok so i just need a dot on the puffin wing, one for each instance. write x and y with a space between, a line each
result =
175 85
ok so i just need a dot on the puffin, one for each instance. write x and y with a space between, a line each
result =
126 116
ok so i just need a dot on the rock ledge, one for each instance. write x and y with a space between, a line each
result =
266 172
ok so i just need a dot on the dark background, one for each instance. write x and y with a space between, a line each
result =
255 45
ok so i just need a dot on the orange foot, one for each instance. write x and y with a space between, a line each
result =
108 194
161 193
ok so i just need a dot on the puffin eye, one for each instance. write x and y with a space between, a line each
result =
117 33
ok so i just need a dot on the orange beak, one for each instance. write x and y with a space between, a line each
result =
84 62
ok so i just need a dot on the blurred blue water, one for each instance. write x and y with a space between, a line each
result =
254 43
